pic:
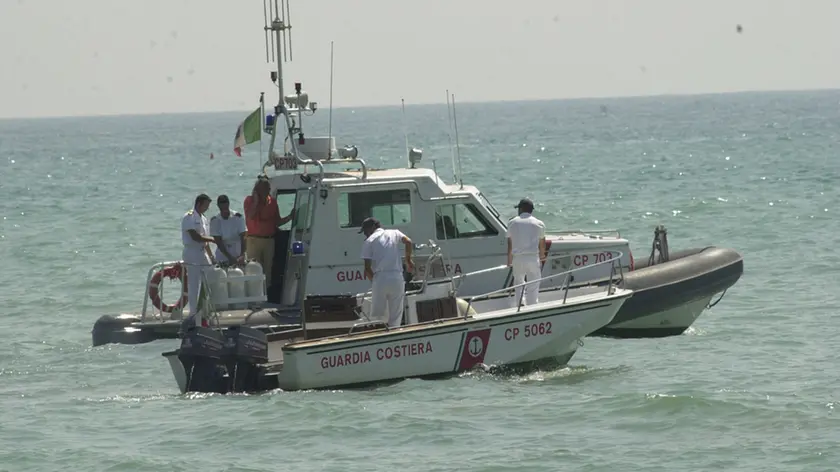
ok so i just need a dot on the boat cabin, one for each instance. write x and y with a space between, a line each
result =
321 247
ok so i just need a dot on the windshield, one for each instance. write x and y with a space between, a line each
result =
486 203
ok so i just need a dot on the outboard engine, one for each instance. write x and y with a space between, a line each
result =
201 353
245 348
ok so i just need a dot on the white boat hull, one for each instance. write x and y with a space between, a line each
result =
546 331
677 318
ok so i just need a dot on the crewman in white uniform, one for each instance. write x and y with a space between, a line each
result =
195 234
228 231
383 266
526 252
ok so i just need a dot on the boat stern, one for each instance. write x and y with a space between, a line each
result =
219 361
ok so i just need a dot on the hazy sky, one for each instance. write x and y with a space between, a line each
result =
83 57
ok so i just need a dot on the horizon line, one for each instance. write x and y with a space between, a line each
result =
433 103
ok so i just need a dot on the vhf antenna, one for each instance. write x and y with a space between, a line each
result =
269 40
274 12
277 27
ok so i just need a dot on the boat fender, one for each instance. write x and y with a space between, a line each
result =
174 272
462 307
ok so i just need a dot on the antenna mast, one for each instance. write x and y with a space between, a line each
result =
329 133
457 143
405 134
451 148
277 34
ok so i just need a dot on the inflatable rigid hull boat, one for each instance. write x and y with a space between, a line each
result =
672 290
669 296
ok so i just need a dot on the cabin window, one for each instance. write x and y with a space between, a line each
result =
390 207
461 220
303 212
492 209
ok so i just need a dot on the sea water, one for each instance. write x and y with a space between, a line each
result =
88 204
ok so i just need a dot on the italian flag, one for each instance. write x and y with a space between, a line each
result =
248 132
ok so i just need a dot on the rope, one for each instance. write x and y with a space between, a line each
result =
712 305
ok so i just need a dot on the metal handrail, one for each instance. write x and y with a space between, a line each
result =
305 162
565 285
358 160
158 314
436 253
561 256
156 267
583 231
320 163
373 183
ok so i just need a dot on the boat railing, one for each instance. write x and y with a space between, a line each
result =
157 313
565 285
355 160
599 232
321 162
437 253
159 267
614 261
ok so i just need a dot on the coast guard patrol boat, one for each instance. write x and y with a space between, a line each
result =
442 333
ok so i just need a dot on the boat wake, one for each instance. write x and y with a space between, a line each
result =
131 398
554 375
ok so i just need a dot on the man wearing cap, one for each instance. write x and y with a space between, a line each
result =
383 266
195 235
525 251
228 230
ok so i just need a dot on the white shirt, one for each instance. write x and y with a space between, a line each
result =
194 220
525 233
229 230
383 249
194 252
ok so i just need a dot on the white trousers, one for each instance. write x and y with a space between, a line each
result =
197 262
388 298
233 247
526 266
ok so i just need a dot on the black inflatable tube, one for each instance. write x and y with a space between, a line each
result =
689 275
128 329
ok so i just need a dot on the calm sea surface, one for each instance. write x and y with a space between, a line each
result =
88 204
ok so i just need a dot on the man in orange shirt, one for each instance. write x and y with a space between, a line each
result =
262 217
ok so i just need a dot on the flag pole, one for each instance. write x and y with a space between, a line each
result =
262 119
